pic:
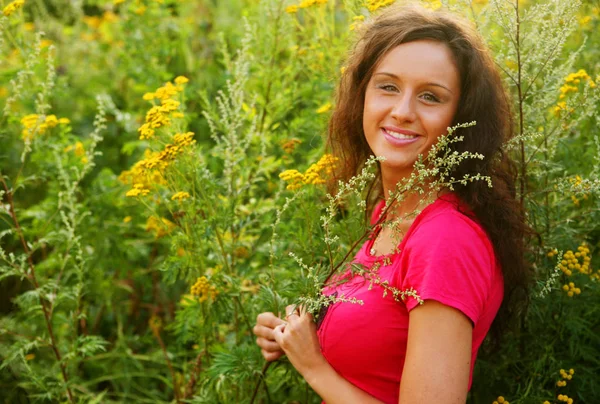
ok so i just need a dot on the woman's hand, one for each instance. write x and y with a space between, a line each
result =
298 339
264 331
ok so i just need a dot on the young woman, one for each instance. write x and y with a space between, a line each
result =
413 74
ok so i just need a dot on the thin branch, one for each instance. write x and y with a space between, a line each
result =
32 278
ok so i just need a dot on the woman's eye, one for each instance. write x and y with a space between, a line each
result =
430 97
387 87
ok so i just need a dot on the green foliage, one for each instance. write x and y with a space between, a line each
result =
152 297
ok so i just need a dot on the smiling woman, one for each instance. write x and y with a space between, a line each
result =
409 103
413 74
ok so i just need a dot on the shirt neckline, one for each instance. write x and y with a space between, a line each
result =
447 197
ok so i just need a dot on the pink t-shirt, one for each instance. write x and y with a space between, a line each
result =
445 256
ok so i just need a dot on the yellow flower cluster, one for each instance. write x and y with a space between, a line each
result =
564 398
138 190
148 171
12 7
313 175
290 145
571 289
304 4
34 123
357 20
577 181
500 400
79 151
571 85
184 139
570 261
203 289
374 5
179 196
160 115
161 226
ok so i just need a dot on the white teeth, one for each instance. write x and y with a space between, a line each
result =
399 135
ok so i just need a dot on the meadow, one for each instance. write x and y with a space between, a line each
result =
162 181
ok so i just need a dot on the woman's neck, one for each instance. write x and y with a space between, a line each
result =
411 201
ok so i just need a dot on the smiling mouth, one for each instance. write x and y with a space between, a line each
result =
398 135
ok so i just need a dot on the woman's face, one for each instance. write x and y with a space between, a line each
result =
410 102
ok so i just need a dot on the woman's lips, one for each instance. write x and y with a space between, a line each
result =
399 138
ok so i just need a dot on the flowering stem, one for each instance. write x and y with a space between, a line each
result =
521 100
156 333
260 380
32 278
189 389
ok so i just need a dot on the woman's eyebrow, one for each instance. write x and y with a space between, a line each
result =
430 83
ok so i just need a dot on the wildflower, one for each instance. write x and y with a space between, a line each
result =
117 2
39 124
30 357
291 9
138 189
160 226
289 145
324 108
374 5
356 21
12 7
203 289
184 139
127 219
179 196
181 80
293 177
312 175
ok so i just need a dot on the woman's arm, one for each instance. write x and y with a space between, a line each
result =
438 355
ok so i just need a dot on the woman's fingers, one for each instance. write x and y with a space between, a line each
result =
271 356
262 331
268 319
268 345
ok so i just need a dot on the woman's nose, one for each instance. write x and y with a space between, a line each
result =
404 108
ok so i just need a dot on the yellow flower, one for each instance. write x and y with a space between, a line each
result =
160 226
291 9
181 80
30 357
138 189
324 108
12 7
203 289
127 219
179 196
184 139
374 5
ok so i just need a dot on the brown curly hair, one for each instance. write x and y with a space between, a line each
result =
483 99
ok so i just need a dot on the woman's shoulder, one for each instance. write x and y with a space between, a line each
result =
450 222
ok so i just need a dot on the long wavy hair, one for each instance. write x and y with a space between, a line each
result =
483 99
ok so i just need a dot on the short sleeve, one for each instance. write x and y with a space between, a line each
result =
448 258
